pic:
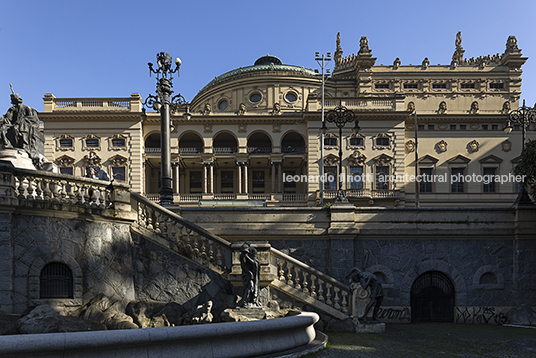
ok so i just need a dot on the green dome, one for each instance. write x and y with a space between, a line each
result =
265 63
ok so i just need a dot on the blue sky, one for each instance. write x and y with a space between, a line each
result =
101 48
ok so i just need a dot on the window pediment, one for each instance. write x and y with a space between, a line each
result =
382 160
331 160
459 159
64 161
491 159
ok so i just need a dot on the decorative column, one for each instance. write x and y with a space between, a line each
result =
239 177
211 177
280 180
205 186
273 177
245 177
176 174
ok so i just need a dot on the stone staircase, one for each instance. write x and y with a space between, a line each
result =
278 270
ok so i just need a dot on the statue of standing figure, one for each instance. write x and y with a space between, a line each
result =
366 280
250 276
20 129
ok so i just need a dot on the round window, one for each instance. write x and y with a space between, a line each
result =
291 97
255 97
222 105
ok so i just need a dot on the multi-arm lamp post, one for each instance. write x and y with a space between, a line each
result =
523 116
340 115
322 61
165 104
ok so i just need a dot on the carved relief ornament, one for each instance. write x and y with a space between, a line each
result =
356 158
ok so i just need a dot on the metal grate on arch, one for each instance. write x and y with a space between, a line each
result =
432 298
56 281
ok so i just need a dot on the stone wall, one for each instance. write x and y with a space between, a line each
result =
104 257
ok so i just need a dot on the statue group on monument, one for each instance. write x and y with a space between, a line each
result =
19 129
368 280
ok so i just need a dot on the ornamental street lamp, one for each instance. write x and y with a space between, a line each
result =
322 61
523 116
340 115
165 105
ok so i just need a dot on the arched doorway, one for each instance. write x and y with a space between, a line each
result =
432 298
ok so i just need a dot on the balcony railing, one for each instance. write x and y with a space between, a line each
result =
149 150
294 197
186 150
259 150
293 150
364 193
224 149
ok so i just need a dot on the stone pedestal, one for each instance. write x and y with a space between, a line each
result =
368 327
244 314
18 157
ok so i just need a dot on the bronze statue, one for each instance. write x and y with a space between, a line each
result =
250 276
366 280
20 128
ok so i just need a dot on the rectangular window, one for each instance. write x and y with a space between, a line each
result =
382 178
452 127
196 180
119 173
517 127
425 185
66 143
420 127
496 85
332 142
226 181
485 127
258 180
431 127
289 184
457 179
382 141
467 85
67 171
463 127
410 86
331 178
439 86
356 176
494 127
92 143
489 180
381 86
356 141
118 142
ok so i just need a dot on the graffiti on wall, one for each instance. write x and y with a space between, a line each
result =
483 315
396 314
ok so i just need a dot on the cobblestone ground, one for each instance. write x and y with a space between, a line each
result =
433 340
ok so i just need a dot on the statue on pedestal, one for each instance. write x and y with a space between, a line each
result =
19 129
366 280
250 276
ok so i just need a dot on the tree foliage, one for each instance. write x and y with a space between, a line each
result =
527 166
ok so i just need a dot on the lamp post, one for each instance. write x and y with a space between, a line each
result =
523 116
165 104
340 115
322 62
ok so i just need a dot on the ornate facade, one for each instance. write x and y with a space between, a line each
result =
254 136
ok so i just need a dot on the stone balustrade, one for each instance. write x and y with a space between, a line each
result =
182 236
310 285
37 189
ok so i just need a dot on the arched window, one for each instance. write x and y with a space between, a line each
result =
56 281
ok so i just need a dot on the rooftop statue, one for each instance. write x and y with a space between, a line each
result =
19 129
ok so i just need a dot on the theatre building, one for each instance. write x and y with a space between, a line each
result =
427 171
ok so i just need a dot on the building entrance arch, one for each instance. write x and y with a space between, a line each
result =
432 298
